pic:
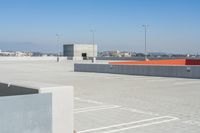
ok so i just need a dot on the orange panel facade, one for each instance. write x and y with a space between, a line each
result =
160 62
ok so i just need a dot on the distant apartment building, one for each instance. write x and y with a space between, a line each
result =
84 51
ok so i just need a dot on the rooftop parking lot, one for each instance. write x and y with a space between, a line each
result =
109 103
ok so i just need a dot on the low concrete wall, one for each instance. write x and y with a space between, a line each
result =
7 89
120 58
61 107
147 70
50 58
75 58
26 114
134 58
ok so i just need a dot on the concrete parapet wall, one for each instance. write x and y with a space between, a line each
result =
47 108
26 113
50 58
134 58
75 58
120 58
146 70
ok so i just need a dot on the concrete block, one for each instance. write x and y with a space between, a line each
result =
62 108
62 101
26 113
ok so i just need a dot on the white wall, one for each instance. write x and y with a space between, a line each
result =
83 48
49 58
62 102
62 108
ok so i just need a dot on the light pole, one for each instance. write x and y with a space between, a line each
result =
93 35
145 40
58 41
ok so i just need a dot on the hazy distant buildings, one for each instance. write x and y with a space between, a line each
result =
126 54
25 54
116 53
15 53
84 51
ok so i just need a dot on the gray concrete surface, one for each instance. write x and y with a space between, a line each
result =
119 103
145 70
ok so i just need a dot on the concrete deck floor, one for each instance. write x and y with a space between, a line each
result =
107 103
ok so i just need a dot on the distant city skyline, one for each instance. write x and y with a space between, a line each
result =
32 25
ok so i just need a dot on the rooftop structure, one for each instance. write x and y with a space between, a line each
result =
80 50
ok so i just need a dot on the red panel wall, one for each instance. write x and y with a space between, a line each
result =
160 62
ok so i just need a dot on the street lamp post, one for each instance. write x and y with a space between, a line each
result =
145 40
58 37
93 35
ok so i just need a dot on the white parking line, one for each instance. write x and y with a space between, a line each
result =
97 109
106 105
139 111
141 125
93 107
126 124
123 126
88 101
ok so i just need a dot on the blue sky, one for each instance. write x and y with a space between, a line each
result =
174 25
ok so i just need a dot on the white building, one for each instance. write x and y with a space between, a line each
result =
84 51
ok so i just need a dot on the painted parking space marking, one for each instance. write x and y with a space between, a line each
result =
88 101
97 109
104 105
139 111
80 104
97 106
92 107
141 125
131 125
100 106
